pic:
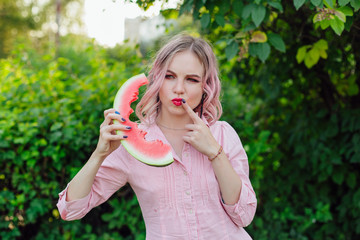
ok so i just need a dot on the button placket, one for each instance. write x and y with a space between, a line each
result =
189 204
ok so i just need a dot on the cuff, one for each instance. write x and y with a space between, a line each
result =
66 207
241 211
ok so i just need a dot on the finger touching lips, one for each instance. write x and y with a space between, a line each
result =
191 113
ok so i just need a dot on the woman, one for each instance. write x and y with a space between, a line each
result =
206 192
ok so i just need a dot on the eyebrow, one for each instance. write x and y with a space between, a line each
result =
188 75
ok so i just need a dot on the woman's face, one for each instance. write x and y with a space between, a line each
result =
183 79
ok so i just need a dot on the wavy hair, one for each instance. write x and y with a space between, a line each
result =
148 107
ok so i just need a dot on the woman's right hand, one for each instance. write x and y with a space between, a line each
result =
108 139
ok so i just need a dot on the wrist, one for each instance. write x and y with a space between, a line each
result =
214 155
98 155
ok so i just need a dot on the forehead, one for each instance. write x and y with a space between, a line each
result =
186 62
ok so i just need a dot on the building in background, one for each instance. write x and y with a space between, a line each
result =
144 30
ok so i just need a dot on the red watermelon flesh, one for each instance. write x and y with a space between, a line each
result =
154 153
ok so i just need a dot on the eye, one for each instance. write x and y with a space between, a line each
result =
169 76
193 80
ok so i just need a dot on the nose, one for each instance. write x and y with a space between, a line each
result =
179 86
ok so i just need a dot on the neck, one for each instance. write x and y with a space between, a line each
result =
173 122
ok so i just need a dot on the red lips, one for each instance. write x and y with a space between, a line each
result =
177 101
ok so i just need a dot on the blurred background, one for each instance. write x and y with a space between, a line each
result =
290 73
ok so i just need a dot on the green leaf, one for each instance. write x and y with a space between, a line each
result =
324 24
323 54
224 7
329 3
356 197
338 177
353 88
264 51
277 5
170 13
258 14
351 180
314 53
355 4
343 2
337 25
277 41
231 50
196 9
238 7
219 19
317 18
346 10
298 3
205 20
186 7
316 3
248 10
301 53
251 26
340 15
311 58
261 50
321 44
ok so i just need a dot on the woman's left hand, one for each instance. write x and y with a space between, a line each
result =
199 135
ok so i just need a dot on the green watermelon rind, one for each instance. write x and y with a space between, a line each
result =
167 160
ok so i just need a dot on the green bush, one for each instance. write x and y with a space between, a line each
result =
51 110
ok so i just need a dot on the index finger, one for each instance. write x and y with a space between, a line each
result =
191 113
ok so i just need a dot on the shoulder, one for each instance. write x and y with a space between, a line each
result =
229 139
225 133
222 126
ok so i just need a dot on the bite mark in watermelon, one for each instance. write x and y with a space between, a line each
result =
153 153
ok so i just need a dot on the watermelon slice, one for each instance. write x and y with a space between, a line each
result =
153 153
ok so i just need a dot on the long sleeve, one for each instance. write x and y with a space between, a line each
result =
112 175
243 212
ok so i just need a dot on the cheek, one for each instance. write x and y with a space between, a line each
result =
195 97
162 93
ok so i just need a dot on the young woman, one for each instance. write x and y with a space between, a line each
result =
206 192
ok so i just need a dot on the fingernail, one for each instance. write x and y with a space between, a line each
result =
128 127
183 100
125 136
123 119
117 112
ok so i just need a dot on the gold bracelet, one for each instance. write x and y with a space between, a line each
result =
218 153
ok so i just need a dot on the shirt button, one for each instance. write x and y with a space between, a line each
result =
190 211
185 173
187 192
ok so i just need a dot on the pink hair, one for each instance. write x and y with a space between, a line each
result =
149 105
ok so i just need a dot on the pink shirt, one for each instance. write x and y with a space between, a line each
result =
179 201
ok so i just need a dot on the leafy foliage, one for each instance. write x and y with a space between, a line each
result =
300 128
291 89
49 119
228 18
